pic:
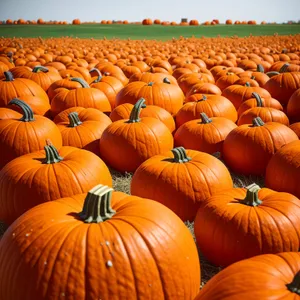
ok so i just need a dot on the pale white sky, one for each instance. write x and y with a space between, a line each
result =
136 10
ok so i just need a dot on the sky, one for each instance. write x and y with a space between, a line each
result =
137 10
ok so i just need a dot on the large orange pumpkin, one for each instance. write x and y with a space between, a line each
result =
48 175
82 131
166 95
11 88
204 134
25 135
283 170
108 241
126 144
248 148
181 180
240 223
263 277
84 97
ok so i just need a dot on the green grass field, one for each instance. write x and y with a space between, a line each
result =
158 32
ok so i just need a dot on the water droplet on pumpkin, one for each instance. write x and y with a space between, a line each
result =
107 243
109 263
27 234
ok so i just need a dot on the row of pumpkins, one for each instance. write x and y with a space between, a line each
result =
69 109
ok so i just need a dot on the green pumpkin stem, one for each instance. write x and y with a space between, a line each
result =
204 118
247 84
150 83
26 109
251 198
40 69
83 83
294 286
258 99
98 79
97 205
256 122
8 76
136 110
180 155
260 68
167 80
52 155
284 68
74 119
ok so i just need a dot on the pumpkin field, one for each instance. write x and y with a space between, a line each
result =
149 162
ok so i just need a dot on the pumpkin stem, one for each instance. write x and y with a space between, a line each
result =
247 84
204 118
26 109
97 205
284 68
98 79
203 98
150 83
52 155
8 76
272 73
260 68
251 198
256 122
74 119
180 155
40 69
136 110
258 99
166 80
294 286
83 83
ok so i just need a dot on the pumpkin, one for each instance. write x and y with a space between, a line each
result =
295 127
187 81
257 101
48 175
109 85
283 85
240 223
237 94
248 148
165 95
264 277
267 114
125 144
11 88
83 132
116 247
206 135
293 107
67 83
211 105
227 80
181 180
25 135
84 97
43 76
204 88
283 170
114 71
123 112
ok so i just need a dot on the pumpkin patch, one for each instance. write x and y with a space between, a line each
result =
116 151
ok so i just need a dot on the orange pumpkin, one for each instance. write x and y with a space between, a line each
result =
126 144
181 180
